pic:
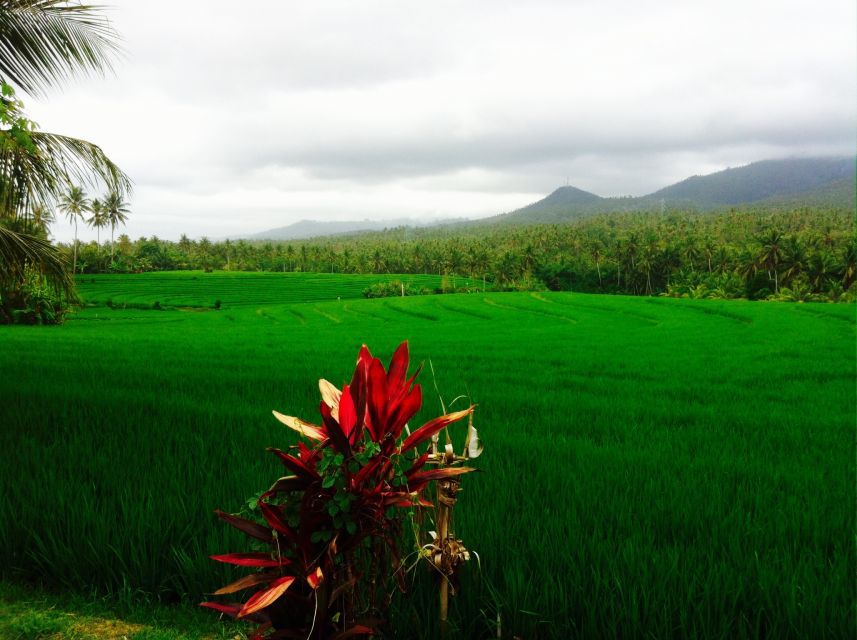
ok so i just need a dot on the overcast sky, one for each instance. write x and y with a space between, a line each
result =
232 118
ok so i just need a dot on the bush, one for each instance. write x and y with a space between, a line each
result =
34 303
391 289
327 537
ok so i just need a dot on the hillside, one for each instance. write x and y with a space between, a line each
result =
838 193
555 207
794 182
758 181
316 228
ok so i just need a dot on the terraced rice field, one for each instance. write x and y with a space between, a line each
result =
653 468
199 289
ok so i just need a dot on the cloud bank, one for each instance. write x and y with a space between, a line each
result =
234 119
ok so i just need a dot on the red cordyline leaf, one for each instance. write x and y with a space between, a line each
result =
419 463
432 427
250 528
334 431
315 577
376 400
398 370
403 499
365 473
264 598
274 518
296 466
348 416
405 409
251 560
358 386
307 455
229 609
246 582
419 480
286 484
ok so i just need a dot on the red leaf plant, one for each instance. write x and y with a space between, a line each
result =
326 542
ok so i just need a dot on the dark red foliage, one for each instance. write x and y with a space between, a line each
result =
352 480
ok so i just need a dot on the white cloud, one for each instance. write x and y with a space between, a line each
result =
233 119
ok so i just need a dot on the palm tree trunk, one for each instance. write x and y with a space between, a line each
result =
112 228
74 260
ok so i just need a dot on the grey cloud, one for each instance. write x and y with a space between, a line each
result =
339 108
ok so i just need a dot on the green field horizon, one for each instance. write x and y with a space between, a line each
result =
653 467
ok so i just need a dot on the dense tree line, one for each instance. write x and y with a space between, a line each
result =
801 254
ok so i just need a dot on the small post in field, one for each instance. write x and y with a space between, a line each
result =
447 552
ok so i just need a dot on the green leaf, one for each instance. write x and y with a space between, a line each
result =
351 527
328 481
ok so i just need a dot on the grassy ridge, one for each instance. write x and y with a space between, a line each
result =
655 467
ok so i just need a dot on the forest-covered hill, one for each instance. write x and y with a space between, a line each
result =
828 182
813 182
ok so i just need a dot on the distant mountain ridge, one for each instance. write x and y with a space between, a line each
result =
815 181
825 181
314 228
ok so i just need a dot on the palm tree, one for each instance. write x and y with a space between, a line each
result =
98 218
770 253
41 218
42 43
849 271
117 213
74 204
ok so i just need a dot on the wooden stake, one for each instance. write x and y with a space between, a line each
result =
442 523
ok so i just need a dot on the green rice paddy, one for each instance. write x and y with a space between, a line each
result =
653 467
199 289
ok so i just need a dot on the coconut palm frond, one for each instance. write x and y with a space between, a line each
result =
42 174
44 42
82 161
18 251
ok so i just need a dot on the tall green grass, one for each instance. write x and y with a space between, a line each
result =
653 467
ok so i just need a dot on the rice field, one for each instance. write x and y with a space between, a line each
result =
237 288
653 467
